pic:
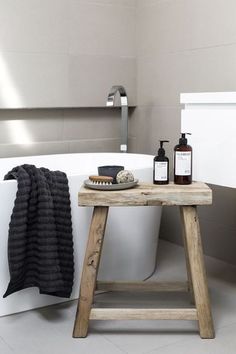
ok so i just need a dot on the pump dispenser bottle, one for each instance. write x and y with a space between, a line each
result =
161 166
183 161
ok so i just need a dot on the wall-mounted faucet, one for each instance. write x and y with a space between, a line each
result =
124 113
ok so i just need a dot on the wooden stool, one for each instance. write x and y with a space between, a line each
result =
187 198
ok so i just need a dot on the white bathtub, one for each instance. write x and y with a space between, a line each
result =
131 236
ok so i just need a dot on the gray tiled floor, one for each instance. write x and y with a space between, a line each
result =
48 330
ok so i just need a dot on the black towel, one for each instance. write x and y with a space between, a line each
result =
40 244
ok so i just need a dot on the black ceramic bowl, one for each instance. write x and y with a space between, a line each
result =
110 171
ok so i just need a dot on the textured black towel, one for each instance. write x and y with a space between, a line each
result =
40 244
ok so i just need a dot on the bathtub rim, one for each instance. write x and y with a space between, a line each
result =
69 173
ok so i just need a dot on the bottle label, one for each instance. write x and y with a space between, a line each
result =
183 163
161 171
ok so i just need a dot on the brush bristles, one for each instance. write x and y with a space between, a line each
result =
102 183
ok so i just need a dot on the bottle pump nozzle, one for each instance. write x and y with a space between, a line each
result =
183 140
161 151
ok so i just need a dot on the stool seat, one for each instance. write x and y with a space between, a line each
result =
146 194
187 197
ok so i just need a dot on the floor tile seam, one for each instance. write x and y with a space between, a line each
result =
166 345
220 328
6 343
114 344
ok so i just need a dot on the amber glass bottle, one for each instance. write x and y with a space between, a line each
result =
161 166
183 161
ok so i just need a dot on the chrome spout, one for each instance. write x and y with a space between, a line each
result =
124 113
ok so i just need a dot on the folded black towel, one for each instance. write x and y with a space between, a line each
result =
40 244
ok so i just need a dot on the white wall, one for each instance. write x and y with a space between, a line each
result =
185 46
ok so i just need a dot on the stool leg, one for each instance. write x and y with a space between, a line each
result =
90 270
190 282
198 272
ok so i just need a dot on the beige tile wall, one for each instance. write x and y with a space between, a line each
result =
51 131
64 52
185 46
181 46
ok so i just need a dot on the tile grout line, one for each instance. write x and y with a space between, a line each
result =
182 51
166 345
115 345
185 340
7 344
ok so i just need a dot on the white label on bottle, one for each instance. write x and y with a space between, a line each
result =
183 163
161 171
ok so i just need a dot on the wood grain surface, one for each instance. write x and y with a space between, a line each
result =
146 194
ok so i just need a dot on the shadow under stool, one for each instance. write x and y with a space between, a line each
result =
187 197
